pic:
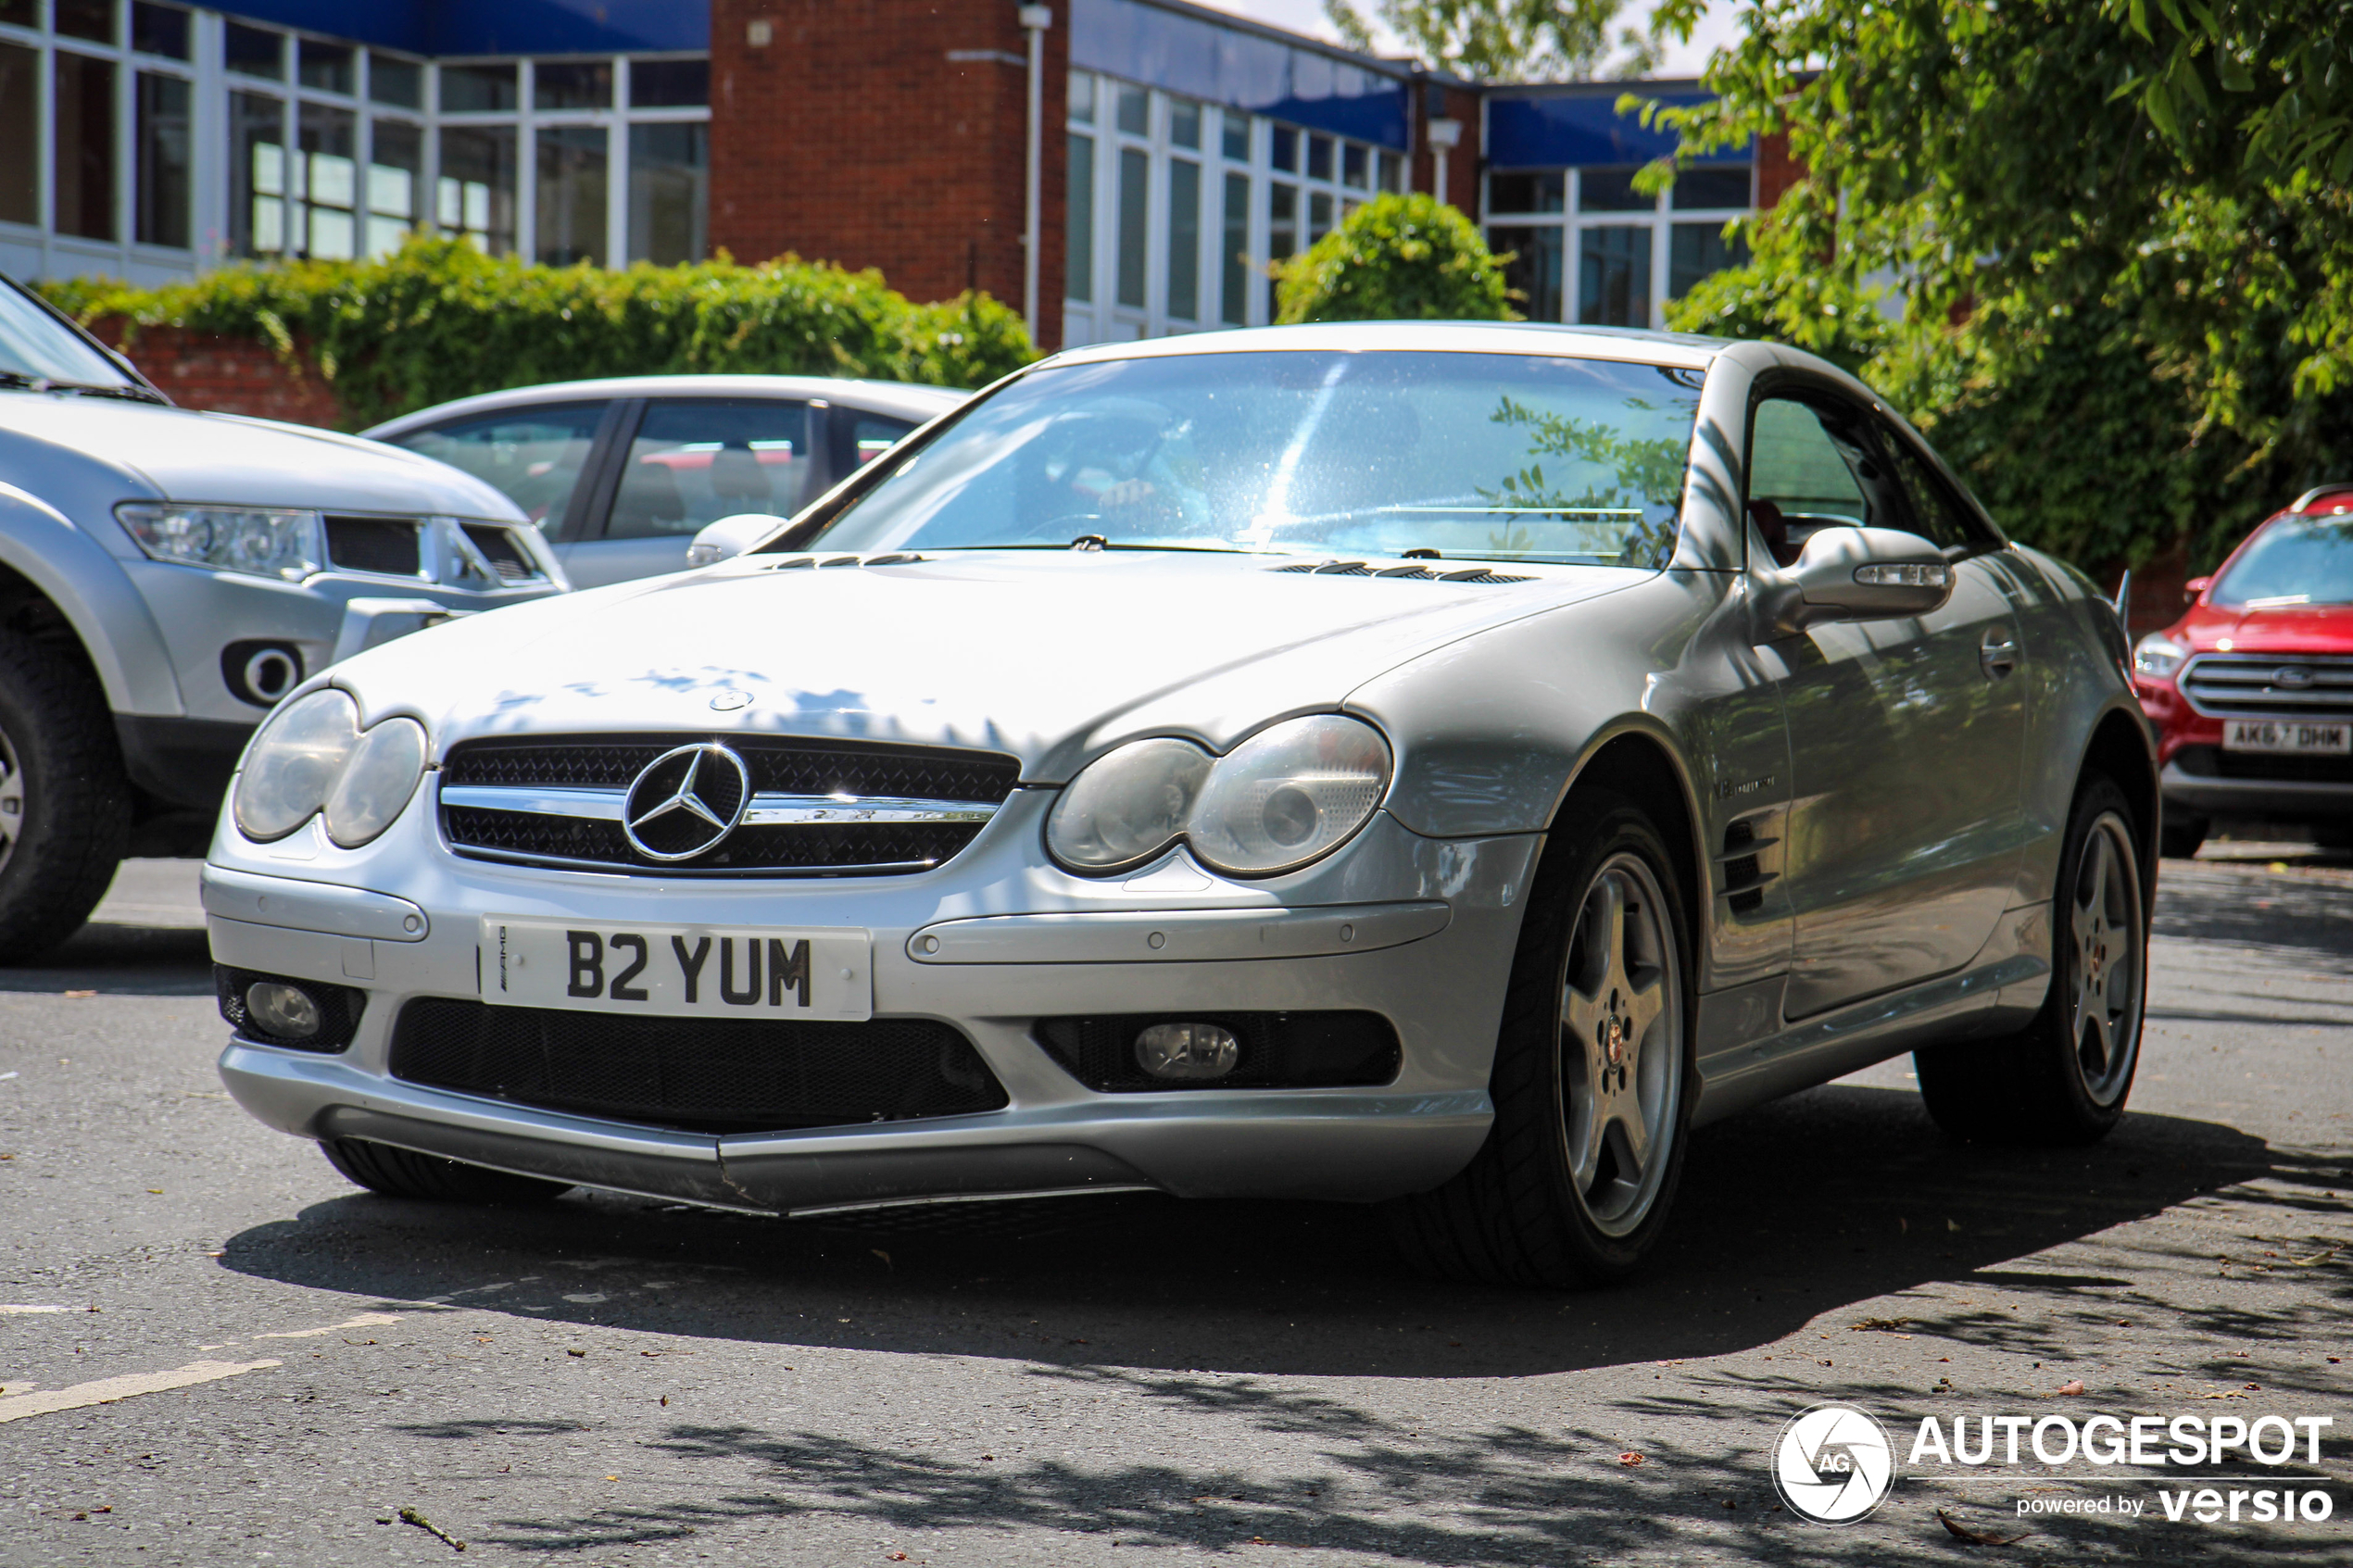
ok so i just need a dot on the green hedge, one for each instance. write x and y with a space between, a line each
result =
438 320
1397 258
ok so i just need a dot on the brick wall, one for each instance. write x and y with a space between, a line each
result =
1776 171
226 375
1463 164
887 134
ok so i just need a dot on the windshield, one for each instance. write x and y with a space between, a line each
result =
2297 560
35 343
1480 457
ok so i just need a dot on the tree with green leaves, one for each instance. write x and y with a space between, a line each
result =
1397 258
1504 40
2103 251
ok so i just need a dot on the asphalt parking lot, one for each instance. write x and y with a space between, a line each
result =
299 1367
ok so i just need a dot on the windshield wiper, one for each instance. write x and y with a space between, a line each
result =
128 391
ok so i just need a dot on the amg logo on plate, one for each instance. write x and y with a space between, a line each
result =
678 970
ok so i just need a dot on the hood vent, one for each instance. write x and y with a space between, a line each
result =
1419 574
790 563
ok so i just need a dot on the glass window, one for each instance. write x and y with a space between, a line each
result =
669 84
20 126
1696 251
1533 271
669 193
572 164
1078 234
1355 164
1391 165
1614 277
1133 184
1716 187
20 13
477 88
162 204
326 67
399 83
395 184
1282 149
329 140
1133 109
533 455
1319 158
92 19
34 342
1184 124
1233 264
1520 190
256 174
1477 456
476 196
159 30
1237 135
1803 473
1611 190
2301 559
1282 232
571 84
1081 98
253 51
1932 510
696 461
1319 217
84 169
872 434
1184 239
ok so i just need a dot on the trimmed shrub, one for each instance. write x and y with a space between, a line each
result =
1397 258
437 319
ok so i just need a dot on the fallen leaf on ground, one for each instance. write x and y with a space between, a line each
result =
2072 1386
80 995
1962 1531
410 1516
1881 1325
1630 1459
576 1352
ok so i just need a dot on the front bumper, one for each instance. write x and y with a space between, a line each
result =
1020 941
2295 800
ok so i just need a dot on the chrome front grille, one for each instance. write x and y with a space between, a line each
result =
816 808
2270 685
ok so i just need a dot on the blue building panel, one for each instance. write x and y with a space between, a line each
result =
442 28
1204 56
1584 129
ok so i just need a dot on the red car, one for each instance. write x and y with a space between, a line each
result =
2252 690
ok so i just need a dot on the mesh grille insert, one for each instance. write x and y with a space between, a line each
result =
694 1074
375 544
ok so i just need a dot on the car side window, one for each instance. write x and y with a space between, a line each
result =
535 455
696 459
872 434
1806 470
1936 514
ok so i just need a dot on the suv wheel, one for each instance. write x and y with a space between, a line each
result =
65 805
1592 1071
2063 1079
400 1173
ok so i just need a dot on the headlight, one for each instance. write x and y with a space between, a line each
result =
312 757
261 541
1285 796
2157 656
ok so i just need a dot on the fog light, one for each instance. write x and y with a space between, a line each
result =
284 1010
1188 1050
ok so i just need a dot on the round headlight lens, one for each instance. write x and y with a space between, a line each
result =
2157 656
1289 795
378 779
294 764
1128 806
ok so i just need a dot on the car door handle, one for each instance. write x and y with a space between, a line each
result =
1997 654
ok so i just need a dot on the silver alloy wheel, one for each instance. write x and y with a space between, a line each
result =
11 799
1621 1046
2104 920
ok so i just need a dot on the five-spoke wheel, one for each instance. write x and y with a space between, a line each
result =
1620 1045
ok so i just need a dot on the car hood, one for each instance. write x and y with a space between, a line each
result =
2275 629
176 454
1053 657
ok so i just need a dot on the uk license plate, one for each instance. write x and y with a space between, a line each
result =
2289 736
680 971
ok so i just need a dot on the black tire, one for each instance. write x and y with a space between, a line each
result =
400 1173
2181 836
1518 1214
2064 1078
2332 836
65 804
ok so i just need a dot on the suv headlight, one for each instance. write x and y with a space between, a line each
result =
1289 795
260 542
312 758
2157 656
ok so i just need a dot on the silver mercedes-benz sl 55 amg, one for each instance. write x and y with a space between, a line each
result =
1430 764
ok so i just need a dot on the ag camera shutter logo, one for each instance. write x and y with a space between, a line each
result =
1834 1464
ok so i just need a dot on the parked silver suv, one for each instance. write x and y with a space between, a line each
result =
165 577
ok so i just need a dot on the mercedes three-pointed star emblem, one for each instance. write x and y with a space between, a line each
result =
684 802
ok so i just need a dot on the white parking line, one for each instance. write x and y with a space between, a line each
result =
26 1310
365 1319
107 1390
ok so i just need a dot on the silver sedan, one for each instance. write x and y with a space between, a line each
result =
1432 764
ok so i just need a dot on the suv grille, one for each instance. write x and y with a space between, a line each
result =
818 808
499 549
694 1074
2270 685
375 544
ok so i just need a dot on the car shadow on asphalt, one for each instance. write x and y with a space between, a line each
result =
119 960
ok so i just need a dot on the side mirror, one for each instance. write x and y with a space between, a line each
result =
1861 574
2194 587
729 537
